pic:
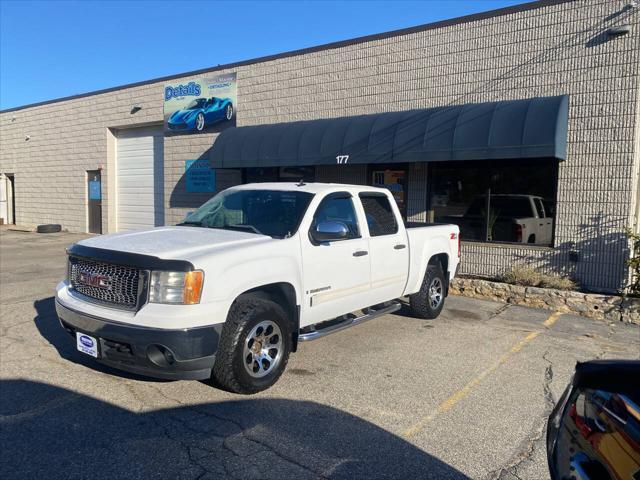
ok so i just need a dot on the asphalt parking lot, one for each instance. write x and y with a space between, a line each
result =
464 396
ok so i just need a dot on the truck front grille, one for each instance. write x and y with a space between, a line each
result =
114 285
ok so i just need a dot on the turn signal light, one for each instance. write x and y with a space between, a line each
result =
193 287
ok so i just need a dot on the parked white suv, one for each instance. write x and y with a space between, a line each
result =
230 292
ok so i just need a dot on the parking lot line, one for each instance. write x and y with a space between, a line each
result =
450 402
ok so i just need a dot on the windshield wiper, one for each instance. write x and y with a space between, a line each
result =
189 224
244 227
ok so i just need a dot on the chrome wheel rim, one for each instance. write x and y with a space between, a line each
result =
435 293
229 112
262 350
200 122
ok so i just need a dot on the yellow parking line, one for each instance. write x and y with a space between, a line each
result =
450 402
552 319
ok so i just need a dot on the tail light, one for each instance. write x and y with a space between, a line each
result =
459 247
518 232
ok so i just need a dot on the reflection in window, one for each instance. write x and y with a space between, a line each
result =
511 202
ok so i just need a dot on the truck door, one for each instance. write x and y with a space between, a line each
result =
336 274
388 248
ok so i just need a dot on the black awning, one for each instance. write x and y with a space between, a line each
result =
531 128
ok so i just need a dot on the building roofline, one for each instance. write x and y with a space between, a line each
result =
318 48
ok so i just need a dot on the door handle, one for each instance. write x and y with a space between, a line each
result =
400 246
360 253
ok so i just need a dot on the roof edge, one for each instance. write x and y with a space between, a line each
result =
523 7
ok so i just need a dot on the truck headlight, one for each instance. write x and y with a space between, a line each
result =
176 287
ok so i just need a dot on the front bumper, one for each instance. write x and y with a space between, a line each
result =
170 354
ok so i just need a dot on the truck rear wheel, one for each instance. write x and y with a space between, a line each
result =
254 346
429 301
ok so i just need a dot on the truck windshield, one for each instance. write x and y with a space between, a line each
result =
276 213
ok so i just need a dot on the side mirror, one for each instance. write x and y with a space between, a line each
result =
594 430
329 231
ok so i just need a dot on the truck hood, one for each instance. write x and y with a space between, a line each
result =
176 243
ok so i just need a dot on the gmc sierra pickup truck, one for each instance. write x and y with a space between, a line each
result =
230 292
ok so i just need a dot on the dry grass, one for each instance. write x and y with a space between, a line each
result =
530 277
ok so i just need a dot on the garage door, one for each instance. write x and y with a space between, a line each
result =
139 182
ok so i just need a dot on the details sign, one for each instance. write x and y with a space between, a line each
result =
206 104
199 176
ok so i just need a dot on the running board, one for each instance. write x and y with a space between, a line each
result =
350 322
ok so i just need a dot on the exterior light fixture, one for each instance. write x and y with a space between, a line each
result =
619 31
135 108
27 137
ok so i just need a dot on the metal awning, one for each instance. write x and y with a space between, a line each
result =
513 129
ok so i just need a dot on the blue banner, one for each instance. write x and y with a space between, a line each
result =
206 104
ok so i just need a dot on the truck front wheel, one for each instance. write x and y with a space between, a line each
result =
428 302
254 346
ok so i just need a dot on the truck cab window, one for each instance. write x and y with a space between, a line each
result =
380 217
338 209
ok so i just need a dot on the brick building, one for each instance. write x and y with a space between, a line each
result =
563 209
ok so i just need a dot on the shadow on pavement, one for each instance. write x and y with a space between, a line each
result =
46 321
49 432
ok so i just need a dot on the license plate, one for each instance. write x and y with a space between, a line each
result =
87 344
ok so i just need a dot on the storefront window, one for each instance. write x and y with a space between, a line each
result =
512 202
279 174
393 178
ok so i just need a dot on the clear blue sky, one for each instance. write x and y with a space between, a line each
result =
51 49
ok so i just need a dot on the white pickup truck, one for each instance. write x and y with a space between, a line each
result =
230 292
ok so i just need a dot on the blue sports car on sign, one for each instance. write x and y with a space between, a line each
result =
200 113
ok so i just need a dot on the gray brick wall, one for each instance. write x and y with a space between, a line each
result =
550 50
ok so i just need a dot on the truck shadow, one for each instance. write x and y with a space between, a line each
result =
50 432
46 321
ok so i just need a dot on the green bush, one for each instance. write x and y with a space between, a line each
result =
530 277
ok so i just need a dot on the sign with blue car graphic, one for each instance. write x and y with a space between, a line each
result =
197 105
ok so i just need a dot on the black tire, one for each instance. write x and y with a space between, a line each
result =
421 302
229 371
49 228
228 112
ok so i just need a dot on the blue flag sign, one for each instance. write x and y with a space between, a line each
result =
199 176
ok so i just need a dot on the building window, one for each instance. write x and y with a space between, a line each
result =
279 174
496 201
394 178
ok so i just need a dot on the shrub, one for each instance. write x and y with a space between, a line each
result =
530 277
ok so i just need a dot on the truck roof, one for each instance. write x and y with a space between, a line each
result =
311 187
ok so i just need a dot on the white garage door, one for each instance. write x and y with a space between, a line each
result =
139 183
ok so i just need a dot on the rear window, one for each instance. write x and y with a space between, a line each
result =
379 214
502 206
